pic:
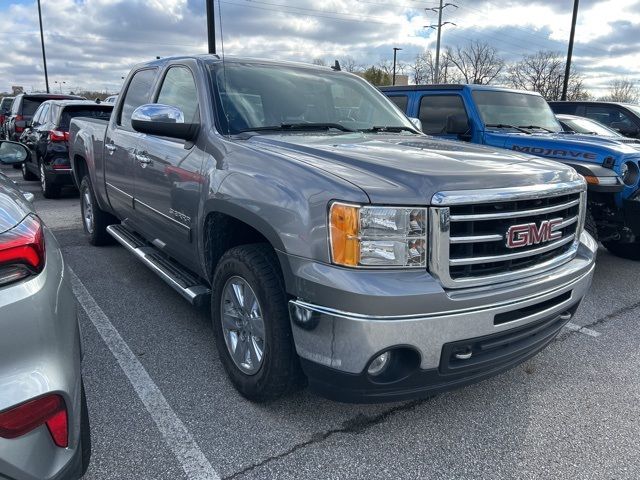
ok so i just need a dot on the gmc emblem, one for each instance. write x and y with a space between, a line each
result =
530 234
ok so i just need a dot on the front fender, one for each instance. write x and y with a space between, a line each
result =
599 179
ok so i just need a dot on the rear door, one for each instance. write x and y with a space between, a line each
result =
167 170
121 141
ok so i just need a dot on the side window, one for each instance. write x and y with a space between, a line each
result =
401 101
436 109
564 108
610 116
43 114
16 105
138 93
36 116
179 90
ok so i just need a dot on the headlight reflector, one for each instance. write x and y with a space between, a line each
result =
629 173
372 236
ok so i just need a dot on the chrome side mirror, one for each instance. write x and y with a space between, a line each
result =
162 120
416 122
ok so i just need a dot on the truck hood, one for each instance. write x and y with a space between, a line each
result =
410 169
566 147
13 206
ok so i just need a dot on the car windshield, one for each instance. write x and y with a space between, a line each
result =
517 109
258 96
584 125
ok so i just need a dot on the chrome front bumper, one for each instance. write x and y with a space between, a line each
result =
348 341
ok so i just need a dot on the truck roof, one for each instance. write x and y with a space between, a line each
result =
214 58
452 86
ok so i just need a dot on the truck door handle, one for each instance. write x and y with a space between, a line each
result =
110 147
143 159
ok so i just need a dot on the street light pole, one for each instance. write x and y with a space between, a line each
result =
211 25
567 70
395 51
44 55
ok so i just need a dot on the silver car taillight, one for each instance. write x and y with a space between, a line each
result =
22 251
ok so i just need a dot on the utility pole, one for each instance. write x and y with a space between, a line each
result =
567 70
395 51
438 27
44 55
211 25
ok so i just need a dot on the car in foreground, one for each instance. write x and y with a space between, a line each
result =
327 234
44 423
47 138
5 110
622 117
22 109
522 121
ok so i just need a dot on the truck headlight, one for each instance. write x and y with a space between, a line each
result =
383 237
629 173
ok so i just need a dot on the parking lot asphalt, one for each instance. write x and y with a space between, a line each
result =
570 412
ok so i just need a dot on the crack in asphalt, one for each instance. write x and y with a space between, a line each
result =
600 321
354 425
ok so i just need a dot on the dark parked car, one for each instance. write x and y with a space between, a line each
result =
23 108
44 422
623 117
48 137
5 109
587 126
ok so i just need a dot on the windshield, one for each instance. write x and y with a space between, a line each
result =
255 96
517 109
584 125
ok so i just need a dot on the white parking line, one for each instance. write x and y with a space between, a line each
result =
587 331
175 433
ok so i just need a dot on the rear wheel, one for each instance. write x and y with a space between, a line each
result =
94 220
48 189
630 251
251 323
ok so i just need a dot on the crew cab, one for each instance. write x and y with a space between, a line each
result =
334 242
522 121
47 138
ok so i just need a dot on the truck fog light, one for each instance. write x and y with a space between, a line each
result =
629 173
378 364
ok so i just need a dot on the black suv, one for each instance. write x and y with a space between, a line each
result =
623 117
5 110
47 137
23 108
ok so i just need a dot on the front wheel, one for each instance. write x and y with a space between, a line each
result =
251 323
94 220
628 250
26 173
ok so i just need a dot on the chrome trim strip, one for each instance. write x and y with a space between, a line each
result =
121 192
514 214
567 222
359 316
454 262
530 192
477 238
135 200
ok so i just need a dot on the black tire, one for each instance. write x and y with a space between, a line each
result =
590 225
95 231
629 251
26 173
48 190
279 372
85 432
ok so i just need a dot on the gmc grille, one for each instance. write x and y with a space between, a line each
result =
469 240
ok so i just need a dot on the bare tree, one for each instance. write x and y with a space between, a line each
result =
622 90
543 72
477 63
423 69
319 61
349 64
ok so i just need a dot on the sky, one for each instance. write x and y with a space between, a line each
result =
92 44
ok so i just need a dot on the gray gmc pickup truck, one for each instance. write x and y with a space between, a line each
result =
334 242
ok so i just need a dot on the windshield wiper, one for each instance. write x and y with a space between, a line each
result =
506 125
388 128
283 127
531 127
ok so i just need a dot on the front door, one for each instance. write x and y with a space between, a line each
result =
167 172
120 144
